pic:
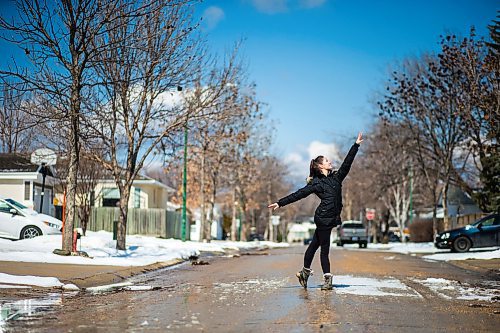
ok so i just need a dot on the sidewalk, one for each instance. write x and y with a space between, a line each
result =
83 276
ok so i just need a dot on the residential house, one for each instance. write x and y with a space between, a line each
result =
298 232
462 210
22 181
146 192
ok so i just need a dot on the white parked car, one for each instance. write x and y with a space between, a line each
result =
19 222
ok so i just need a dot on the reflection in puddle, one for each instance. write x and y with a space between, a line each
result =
22 309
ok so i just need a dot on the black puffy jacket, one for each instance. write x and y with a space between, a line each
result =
329 190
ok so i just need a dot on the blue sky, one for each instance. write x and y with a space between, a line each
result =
318 63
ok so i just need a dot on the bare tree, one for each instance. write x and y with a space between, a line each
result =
17 127
57 40
478 67
389 156
146 60
425 98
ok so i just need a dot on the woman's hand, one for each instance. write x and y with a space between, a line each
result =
273 206
360 138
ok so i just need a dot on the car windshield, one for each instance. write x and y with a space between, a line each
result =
353 226
15 203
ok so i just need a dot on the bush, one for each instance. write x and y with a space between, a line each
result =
421 231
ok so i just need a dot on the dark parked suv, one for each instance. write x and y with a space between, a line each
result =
483 233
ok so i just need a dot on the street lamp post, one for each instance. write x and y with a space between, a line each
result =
184 186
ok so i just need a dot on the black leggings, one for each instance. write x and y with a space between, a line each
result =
320 238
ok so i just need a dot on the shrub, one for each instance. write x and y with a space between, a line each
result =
421 231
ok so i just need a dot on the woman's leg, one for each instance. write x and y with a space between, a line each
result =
324 242
311 250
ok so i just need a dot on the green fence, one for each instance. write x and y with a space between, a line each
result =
149 222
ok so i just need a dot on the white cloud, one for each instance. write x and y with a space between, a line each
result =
270 6
330 150
212 16
312 3
298 162
281 6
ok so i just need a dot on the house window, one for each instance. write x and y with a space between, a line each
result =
137 198
27 188
110 197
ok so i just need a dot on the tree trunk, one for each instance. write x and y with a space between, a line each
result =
212 209
269 229
72 178
348 206
445 207
203 231
71 181
122 221
233 221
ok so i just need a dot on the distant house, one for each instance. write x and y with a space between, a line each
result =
297 232
146 192
462 209
215 227
22 181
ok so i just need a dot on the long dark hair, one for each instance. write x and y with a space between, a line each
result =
314 166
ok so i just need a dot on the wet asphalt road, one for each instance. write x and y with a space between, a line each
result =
373 292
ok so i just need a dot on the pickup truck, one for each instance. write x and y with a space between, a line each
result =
352 232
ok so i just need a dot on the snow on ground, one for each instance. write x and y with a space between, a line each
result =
141 250
30 280
490 253
433 253
450 289
389 286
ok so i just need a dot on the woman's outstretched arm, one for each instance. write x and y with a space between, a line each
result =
346 165
295 196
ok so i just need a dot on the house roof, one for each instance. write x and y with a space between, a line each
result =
15 162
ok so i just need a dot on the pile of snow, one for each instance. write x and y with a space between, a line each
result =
141 250
406 248
432 252
473 254
30 280
450 289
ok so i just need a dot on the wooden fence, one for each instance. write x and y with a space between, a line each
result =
463 220
148 222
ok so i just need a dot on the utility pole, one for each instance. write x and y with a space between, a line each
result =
184 185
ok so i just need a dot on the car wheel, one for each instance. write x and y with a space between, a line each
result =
340 244
461 244
30 232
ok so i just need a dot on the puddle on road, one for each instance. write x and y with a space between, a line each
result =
28 309
347 284
235 292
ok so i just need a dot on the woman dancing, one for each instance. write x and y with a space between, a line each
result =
327 185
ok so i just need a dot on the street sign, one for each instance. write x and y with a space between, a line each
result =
370 214
275 219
